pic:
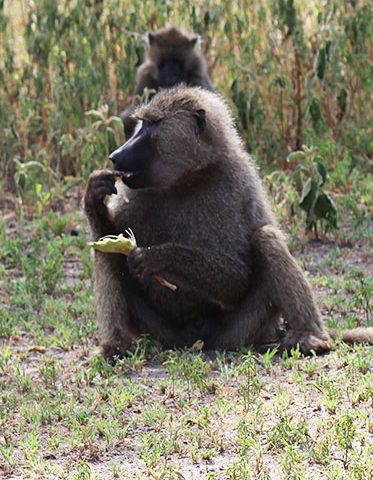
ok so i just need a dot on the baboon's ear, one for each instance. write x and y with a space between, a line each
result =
151 38
200 116
195 41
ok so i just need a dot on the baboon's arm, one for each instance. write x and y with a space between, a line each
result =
111 306
219 278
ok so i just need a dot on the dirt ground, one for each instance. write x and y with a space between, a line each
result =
183 415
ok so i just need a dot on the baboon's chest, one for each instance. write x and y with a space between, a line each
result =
186 221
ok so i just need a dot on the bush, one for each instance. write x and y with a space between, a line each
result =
291 69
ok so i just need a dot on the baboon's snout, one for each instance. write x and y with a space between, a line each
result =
121 157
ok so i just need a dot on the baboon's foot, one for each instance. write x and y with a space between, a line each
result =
308 342
111 352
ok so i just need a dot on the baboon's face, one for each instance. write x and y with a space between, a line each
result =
161 153
171 52
135 156
170 72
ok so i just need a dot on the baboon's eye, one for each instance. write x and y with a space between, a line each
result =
144 127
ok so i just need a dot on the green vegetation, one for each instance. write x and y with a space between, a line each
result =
310 176
296 73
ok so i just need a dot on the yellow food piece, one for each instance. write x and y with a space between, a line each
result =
124 245
116 243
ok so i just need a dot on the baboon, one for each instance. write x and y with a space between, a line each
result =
200 215
172 58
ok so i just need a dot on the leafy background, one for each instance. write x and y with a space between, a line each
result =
298 75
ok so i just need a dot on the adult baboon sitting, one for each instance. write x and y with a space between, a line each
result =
202 220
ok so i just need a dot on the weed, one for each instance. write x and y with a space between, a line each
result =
310 176
295 75
251 385
346 433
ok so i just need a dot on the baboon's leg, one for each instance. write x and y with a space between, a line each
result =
254 322
289 292
148 320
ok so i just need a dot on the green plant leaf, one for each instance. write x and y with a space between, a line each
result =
309 83
322 171
342 100
325 209
296 157
328 48
20 179
308 196
297 178
315 112
321 63
280 81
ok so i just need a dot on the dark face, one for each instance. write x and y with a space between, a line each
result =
159 154
134 157
170 73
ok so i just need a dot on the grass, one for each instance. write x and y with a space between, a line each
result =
293 72
65 413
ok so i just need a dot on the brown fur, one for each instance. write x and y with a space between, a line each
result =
168 43
354 335
205 225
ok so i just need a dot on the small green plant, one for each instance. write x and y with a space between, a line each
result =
23 380
50 371
363 292
189 368
112 126
310 176
346 433
295 74
268 356
5 359
83 471
250 387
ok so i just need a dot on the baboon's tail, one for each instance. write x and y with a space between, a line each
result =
354 335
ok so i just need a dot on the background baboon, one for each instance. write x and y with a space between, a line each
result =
172 58
199 211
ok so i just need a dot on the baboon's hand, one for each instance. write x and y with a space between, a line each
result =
100 184
143 264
